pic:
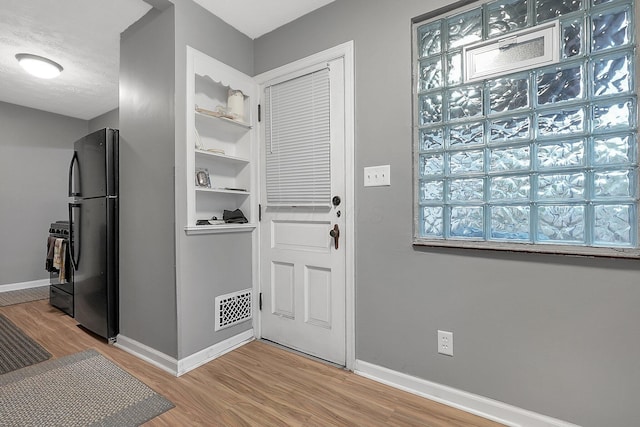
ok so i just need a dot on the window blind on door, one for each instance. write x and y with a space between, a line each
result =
298 141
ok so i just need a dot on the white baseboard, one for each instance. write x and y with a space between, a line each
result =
148 354
468 402
179 367
190 363
24 285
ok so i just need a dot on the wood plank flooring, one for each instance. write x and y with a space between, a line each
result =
255 385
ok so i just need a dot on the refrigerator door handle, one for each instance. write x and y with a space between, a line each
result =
74 159
75 257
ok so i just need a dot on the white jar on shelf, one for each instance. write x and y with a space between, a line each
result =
235 104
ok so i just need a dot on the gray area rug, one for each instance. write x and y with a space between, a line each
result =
24 295
17 350
83 389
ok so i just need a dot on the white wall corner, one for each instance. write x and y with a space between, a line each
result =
148 354
24 285
478 405
179 367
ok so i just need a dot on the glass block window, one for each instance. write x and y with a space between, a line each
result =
543 159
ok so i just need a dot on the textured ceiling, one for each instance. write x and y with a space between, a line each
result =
84 37
81 35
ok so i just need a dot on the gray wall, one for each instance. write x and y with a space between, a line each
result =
152 193
198 28
35 150
213 264
110 119
534 331
147 244
153 184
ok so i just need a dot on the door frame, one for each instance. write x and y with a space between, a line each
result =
346 51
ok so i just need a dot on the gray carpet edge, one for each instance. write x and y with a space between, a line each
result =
40 368
17 349
20 296
135 414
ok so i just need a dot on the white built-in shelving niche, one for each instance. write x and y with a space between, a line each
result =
222 146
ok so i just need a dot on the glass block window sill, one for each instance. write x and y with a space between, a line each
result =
551 249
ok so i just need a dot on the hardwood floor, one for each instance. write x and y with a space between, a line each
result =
255 385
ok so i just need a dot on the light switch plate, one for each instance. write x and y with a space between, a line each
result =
377 176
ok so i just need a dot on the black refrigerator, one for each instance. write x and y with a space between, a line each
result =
93 237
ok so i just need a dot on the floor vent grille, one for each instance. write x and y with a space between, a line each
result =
233 308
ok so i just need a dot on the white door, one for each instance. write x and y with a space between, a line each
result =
302 251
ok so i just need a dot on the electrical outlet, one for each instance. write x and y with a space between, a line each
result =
377 176
445 343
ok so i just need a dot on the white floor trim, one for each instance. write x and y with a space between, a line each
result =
208 354
179 367
468 402
24 285
148 354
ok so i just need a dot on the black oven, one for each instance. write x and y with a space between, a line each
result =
61 289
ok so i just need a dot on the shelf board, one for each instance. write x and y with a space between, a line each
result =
217 229
222 190
222 156
242 125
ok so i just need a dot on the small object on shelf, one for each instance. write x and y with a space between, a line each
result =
221 113
214 150
202 178
234 217
209 112
235 189
235 105
213 221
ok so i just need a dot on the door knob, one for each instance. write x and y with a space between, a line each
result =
335 233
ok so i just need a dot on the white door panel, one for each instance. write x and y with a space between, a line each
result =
283 289
317 296
299 235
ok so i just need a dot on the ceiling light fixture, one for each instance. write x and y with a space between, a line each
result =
39 66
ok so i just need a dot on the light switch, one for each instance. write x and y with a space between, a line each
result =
377 176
